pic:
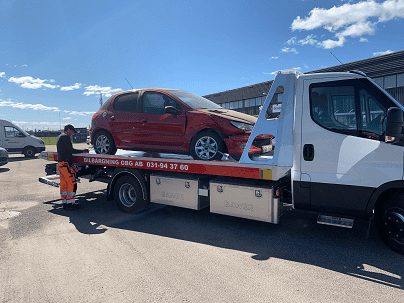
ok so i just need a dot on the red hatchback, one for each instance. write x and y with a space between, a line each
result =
173 121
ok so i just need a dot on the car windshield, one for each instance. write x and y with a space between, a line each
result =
194 101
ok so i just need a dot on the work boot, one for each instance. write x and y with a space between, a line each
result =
71 206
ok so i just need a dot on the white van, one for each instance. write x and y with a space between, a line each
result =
17 141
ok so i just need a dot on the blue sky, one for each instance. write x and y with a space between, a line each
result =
56 57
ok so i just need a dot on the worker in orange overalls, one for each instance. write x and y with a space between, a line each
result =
68 185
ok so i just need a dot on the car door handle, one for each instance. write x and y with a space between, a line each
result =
112 118
308 152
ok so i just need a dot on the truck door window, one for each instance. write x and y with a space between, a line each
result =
333 107
12 132
373 114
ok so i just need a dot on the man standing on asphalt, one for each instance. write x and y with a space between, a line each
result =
68 185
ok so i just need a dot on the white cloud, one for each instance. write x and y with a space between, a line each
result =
67 118
383 53
25 105
29 82
2 74
363 40
308 40
289 50
24 65
41 107
349 19
274 58
291 41
106 91
72 87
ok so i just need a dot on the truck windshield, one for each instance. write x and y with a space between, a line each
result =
194 101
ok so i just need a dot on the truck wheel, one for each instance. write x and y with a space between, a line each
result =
207 146
104 143
29 152
128 195
389 221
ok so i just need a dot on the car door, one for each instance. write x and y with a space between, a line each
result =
125 121
161 131
344 157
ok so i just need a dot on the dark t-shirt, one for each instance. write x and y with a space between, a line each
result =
65 148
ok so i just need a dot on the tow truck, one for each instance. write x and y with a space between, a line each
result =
338 152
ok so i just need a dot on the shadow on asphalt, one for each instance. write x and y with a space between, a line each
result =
297 238
21 158
4 169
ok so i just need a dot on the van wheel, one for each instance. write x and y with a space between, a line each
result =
104 143
128 195
389 221
29 152
207 145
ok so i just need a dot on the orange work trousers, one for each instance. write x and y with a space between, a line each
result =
68 185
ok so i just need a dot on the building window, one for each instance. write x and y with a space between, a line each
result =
379 81
390 81
400 80
240 104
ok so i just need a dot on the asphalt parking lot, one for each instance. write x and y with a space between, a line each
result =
169 254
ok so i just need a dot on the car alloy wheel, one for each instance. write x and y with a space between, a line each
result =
206 148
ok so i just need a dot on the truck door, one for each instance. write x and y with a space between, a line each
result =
344 156
14 139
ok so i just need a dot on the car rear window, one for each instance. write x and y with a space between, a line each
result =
194 101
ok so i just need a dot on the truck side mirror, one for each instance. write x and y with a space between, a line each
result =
395 124
171 110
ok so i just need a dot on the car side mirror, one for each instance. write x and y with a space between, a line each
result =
171 110
395 124
21 135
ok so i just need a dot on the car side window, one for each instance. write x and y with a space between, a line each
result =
12 132
333 107
127 102
155 103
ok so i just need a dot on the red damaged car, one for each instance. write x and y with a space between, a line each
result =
173 121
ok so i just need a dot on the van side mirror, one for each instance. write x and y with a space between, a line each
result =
171 110
395 124
21 135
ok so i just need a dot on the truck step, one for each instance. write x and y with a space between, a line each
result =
335 221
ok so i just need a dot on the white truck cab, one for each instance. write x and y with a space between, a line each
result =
17 141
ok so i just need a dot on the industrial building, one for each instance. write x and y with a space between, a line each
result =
386 70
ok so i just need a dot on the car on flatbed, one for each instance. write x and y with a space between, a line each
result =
173 121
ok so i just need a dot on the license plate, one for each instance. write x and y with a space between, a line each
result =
266 148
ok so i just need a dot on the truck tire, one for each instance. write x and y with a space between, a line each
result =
104 143
207 145
128 195
29 152
389 221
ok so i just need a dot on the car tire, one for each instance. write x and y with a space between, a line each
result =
128 195
389 221
206 146
29 152
104 143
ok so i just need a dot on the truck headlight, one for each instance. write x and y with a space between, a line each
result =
41 142
241 125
